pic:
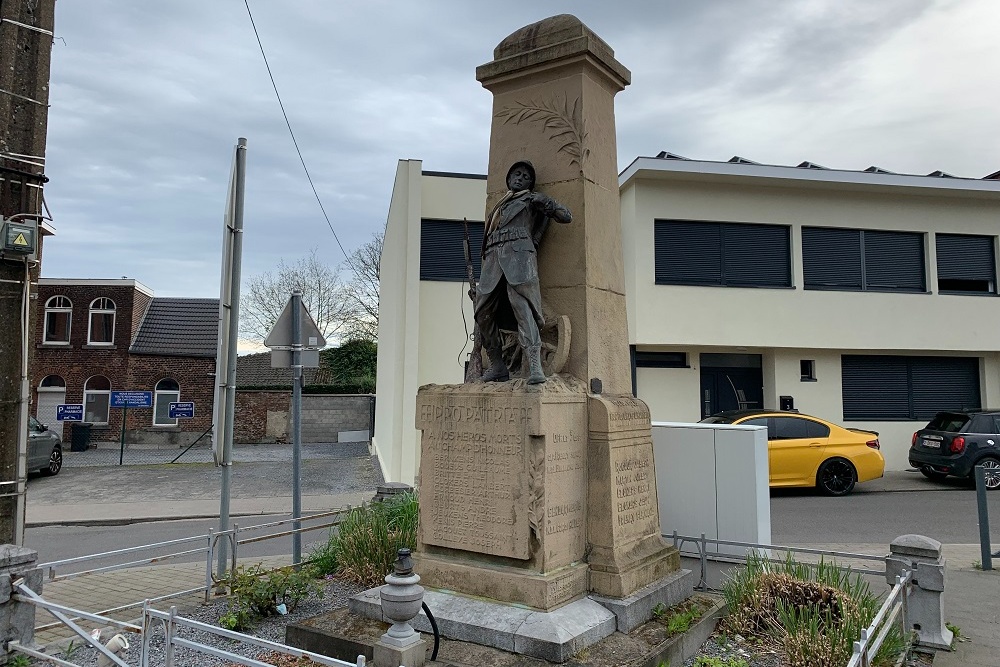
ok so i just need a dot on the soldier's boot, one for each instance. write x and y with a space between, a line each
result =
498 371
535 374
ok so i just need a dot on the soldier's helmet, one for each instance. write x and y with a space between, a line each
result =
527 165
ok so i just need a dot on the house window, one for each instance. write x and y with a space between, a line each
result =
52 382
102 322
661 360
887 387
966 264
96 399
167 392
807 370
863 260
721 253
58 315
442 250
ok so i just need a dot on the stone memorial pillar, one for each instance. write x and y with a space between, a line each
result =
542 494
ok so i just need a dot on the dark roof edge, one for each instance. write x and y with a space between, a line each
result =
453 174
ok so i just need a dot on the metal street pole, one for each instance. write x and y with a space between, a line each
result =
296 424
984 518
233 279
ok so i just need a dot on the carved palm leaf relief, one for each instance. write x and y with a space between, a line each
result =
560 123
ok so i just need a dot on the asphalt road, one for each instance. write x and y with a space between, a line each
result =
949 516
797 517
60 542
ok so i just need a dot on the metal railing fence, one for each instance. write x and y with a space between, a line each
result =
762 550
872 637
209 543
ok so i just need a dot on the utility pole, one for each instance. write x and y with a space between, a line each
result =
25 54
225 362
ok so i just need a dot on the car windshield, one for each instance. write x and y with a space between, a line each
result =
949 422
717 419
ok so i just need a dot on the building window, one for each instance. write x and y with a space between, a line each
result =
966 264
892 388
661 360
96 399
863 260
167 392
102 322
442 250
52 382
807 370
721 253
58 316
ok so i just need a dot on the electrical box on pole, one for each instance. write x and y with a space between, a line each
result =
19 240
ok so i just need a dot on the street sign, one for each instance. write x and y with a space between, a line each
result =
283 358
181 410
71 412
131 399
280 337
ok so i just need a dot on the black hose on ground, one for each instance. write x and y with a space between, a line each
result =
434 626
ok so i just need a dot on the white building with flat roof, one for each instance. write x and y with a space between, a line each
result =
867 298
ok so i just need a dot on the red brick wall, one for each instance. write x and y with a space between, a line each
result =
77 362
250 424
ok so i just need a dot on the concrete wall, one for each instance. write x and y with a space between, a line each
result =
750 317
421 332
325 417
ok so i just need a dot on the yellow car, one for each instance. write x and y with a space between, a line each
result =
809 451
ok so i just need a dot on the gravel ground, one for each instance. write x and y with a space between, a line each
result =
728 648
335 595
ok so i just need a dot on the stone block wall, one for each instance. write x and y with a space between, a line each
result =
325 415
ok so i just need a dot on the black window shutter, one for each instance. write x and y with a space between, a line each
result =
831 258
875 387
687 253
894 261
944 383
756 255
442 249
964 257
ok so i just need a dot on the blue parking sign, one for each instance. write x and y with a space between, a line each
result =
70 412
181 410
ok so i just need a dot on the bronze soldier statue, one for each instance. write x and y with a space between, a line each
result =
508 294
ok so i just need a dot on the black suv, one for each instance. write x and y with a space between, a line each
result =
953 443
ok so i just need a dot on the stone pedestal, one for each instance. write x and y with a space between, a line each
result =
17 619
503 478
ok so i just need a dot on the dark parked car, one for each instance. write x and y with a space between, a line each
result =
953 443
44 449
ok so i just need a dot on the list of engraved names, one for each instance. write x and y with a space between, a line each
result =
472 465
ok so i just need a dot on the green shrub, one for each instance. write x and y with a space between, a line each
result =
256 593
364 545
815 612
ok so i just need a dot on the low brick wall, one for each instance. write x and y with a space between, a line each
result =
261 416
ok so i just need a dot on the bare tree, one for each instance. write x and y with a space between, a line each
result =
323 293
363 292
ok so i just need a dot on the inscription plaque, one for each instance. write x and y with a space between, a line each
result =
473 472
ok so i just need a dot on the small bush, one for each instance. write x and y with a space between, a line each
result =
256 593
366 542
815 612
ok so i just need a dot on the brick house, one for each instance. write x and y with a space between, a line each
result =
96 336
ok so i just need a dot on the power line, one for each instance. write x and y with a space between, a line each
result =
292 133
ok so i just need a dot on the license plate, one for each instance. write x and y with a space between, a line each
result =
935 444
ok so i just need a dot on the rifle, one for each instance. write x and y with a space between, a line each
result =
474 371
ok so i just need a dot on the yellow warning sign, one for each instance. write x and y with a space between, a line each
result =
20 240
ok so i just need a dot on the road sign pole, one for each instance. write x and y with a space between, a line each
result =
121 452
230 280
297 424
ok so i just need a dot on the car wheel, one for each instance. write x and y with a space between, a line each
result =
836 477
991 467
930 473
55 462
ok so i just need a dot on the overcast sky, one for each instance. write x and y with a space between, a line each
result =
148 99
